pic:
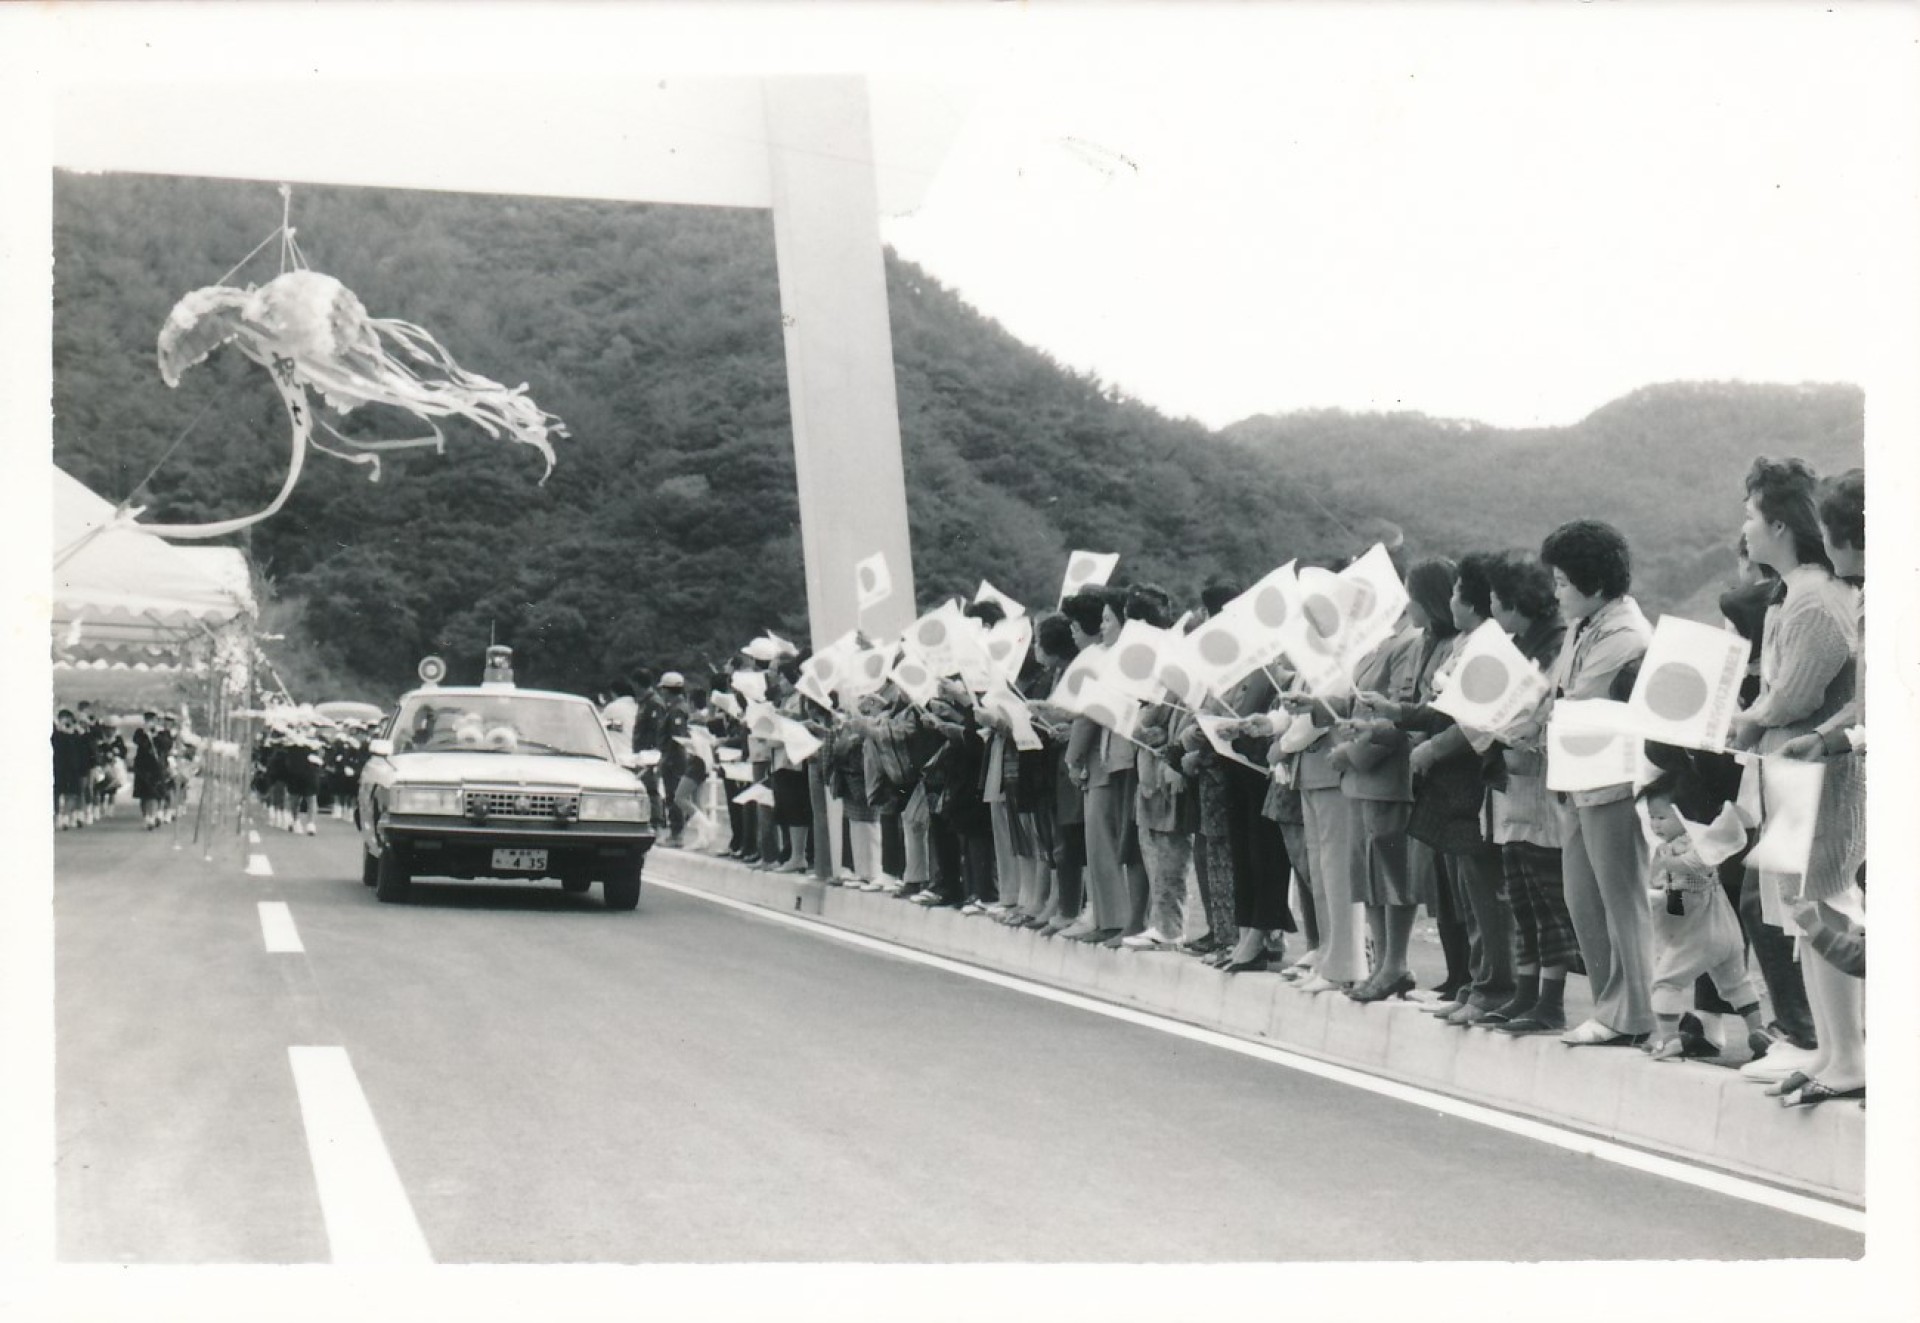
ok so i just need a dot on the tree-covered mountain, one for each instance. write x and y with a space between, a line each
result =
1666 464
667 532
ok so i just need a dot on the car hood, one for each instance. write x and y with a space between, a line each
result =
513 769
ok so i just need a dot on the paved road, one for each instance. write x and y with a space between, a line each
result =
687 1083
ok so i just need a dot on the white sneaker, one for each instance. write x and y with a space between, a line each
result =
313 829
1142 941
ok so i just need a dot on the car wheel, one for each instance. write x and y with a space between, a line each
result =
369 868
392 882
622 890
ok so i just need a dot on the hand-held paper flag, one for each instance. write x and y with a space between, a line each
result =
1378 598
1087 567
809 686
1721 839
1136 660
1492 682
1001 699
1315 639
751 685
988 593
1688 684
759 793
1790 807
1587 748
799 742
1008 644
1210 727
872 581
914 678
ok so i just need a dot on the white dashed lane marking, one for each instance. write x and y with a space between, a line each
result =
257 866
368 1217
276 925
253 838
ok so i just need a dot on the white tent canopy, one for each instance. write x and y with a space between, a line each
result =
120 592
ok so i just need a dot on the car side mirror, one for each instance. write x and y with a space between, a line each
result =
381 748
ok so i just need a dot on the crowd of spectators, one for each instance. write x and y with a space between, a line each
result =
1302 833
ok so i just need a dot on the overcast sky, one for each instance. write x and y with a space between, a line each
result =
1515 225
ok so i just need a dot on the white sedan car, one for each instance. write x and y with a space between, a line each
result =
494 781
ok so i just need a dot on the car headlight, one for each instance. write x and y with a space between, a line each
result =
427 799
613 806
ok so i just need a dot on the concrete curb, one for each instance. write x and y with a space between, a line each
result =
1700 1113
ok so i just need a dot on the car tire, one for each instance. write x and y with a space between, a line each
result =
392 882
369 868
622 890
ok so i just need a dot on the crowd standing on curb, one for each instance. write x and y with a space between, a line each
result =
1278 811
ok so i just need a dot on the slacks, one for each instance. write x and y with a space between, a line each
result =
1604 857
1109 814
1329 820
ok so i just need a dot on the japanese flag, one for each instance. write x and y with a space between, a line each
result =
865 671
1210 727
759 793
1492 683
828 668
1720 840
1315 640
873 582
1272 603
988 593
1374 606
1002 700
1104 704
1789 806
1179 673
1588 746
799 742
1007 646
1136 660
914 678
1226 648
751 685
934 636
1084 675
810 687
1085 568
1689 683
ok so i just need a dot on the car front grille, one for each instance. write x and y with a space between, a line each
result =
512 802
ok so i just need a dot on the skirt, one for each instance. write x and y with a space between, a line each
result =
792 799
1379 863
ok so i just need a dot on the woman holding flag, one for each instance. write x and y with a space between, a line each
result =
1807 677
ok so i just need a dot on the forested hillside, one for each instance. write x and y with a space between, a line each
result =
667 531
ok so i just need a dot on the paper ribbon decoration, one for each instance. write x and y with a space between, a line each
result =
309 330
1491 683
1720 840
872 581
1210 727
1588 746
1085 568
1689 684
1790 807
988 593
750 685
758 793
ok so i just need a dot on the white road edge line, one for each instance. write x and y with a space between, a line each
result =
257 866
369 1220
276 925
1818 1210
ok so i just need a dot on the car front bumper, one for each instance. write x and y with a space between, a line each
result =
457 847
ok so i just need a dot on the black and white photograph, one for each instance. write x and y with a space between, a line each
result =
915 661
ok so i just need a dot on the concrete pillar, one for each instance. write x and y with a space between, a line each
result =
833 301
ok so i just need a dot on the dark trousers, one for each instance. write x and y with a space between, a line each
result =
962 862
893 846
1773 953
1456 944
1069 857
1261 866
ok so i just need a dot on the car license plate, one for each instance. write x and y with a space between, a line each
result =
520 861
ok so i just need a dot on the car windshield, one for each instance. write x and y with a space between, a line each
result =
499 723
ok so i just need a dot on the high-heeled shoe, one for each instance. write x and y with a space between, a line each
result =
1251 965
1373 991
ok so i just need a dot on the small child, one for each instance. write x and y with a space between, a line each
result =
1695 932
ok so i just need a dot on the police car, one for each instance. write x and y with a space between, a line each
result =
496 781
